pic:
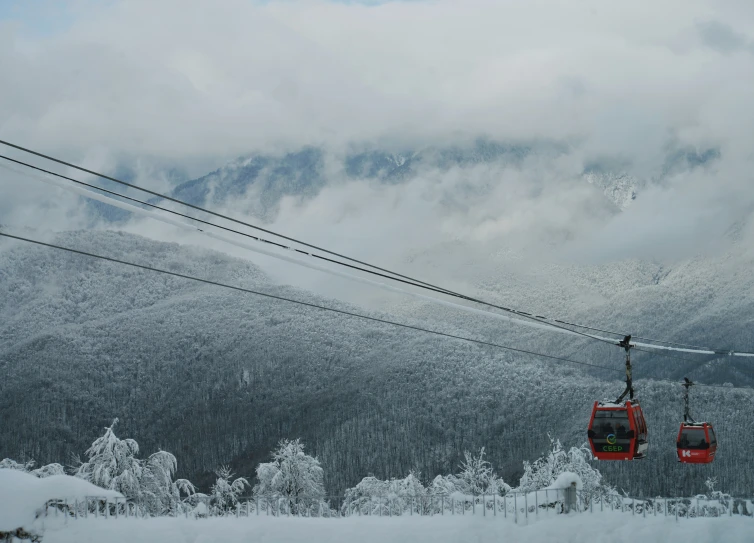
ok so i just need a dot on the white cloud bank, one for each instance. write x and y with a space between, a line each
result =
197 83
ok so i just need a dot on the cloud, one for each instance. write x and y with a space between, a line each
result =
178 78
194 84
721 37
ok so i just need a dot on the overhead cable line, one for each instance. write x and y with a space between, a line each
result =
226 217
398 277
199 208
281 256
300 302
420 284
334 310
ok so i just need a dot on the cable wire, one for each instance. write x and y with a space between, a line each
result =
408 281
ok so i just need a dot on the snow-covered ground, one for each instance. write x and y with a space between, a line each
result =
612 527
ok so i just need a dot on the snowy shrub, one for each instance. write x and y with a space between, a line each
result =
225 492
7 463
49 470
543 472
44 471
373 496
292 475
478 478
112 464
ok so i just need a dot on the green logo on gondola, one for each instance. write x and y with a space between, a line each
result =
611 439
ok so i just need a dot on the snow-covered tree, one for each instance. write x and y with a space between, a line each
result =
226 490
112 464
292 474
445 485
478 478
376 497
544 471
159 491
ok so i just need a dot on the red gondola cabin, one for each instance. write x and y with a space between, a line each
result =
696 443
618 431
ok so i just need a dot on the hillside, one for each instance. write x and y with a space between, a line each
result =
217 377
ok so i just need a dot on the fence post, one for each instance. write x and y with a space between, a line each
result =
484 506
526 504
676 510
633 506
569 497
442 505
515 505
505 505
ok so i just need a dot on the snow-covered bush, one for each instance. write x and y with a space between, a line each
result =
292 476
477 477
476 482
27 467
7 463
112 464
543 472
226 490
373 496
49 470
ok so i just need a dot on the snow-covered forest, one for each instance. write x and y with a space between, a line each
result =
219 379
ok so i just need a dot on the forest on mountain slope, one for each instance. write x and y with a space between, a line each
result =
218 377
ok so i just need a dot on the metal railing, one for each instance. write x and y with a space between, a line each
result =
516 506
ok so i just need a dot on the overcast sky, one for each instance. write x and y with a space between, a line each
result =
194 84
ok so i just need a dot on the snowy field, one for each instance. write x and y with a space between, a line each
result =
612 527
